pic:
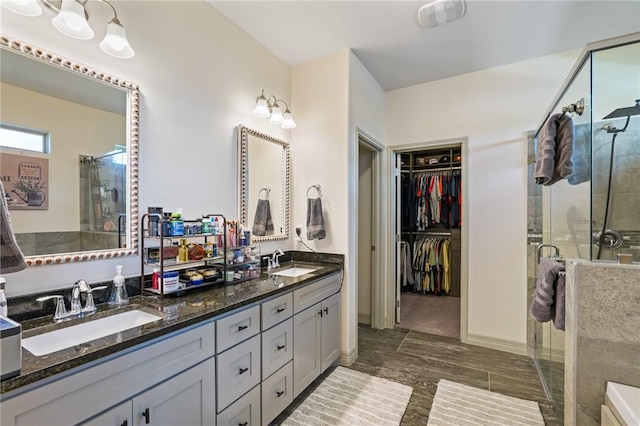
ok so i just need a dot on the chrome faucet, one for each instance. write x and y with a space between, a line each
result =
76 309
274 258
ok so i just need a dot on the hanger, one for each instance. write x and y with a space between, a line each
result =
317 187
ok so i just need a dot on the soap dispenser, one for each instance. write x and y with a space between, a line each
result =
118 295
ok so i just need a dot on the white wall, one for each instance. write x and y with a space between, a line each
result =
199 77
493 108
334 96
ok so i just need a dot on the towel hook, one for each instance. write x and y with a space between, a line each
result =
317 187
267 190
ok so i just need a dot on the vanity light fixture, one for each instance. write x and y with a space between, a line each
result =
270 108
71 19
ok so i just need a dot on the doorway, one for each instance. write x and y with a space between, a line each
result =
370 270
430 238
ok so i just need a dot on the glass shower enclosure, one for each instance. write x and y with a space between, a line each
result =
593 213
103 199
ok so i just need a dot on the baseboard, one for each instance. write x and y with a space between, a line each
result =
346 359
497 344
555 355
364 319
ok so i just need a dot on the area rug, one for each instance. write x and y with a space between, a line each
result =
350 398
457 404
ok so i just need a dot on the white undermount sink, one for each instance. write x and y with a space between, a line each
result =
294 272
57 340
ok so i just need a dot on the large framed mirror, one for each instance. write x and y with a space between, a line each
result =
264 184
73 195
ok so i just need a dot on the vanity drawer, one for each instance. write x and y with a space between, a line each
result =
276 310
245 411
313 293
236 328
237 371
277 393
277 347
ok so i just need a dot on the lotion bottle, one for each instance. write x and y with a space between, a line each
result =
118 295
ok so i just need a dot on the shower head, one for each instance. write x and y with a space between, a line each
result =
625 112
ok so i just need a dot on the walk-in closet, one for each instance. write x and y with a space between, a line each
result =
430 213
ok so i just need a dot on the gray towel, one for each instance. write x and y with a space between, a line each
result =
548 300
581 158
315 220
555 147
11 257
262 222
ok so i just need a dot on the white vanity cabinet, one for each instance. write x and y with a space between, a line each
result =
316 331
174 373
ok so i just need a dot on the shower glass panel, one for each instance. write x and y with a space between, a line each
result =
593 213
103 200
616 84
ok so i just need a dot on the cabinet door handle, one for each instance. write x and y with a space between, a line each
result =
147 416
280 393
243 424
320 312
326 311
242 327
280 347
244 370
125 423
280 310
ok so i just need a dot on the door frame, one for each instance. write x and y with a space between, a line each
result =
392 263
378 308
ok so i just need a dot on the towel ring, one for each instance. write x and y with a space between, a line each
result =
267 190
317 187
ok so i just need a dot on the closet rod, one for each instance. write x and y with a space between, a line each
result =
440 234
439 169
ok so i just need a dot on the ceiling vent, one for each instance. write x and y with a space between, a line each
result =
440 12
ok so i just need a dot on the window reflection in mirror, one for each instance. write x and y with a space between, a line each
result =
90 121
264 176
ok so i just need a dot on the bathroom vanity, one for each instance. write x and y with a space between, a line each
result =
212 358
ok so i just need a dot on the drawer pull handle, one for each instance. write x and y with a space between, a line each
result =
243 424
280 393
320 312
280 347
280 310
146 415
243 370
326 311
242 327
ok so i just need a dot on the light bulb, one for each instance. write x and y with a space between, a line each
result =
115 41
71 20
276 115
262 108
22 7
288 122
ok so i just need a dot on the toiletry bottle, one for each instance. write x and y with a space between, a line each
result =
206 225
3 298
118 296
155 279
183 251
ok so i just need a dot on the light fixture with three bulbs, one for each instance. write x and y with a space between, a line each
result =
270 108
71 19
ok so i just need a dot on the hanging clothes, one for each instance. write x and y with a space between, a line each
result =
436 199
406 272
431 267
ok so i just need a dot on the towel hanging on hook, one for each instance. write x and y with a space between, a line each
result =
317 187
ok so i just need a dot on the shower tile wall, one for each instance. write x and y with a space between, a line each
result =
602 339
625 191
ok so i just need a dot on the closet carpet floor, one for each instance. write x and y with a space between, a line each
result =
420 360
430 314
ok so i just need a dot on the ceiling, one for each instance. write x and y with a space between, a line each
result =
386 38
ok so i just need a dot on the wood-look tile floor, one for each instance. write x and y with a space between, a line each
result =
420 360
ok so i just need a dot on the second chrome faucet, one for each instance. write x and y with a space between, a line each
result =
75 310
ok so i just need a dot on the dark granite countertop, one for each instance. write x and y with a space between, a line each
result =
178 312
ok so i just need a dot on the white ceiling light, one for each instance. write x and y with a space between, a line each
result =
440 12
71 19
268 108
